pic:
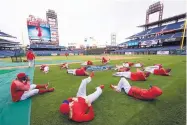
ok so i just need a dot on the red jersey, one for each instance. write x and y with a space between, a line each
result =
17 89
104 60
161 71
145 94
30 55
138 76
80 111
80 72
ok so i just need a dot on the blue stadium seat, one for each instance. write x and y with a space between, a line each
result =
178 25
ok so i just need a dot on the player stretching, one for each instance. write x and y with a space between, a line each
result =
136 92
80 108
21 89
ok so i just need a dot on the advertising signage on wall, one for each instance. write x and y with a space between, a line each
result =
171 39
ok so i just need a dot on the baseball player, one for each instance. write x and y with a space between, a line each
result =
128 64
87 63
44 68
21 89
79 108
78 72
64 66
157 70
120 68
136 76
30 58
136 92
105 61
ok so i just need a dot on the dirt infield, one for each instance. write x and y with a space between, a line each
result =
97 57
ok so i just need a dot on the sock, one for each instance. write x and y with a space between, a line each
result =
41 91
41 86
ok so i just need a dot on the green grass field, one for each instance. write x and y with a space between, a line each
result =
116 108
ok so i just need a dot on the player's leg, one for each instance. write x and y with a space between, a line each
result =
82 87
39 86
137 65
94 96
123 84
71 71
84 64
124 74
46 69
29 62
151 68
126 65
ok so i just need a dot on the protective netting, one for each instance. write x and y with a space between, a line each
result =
10 64
13 113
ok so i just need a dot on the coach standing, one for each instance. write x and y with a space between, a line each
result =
30 57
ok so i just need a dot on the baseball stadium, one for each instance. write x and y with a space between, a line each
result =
140 81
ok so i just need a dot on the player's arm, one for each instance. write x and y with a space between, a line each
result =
23 87
88 116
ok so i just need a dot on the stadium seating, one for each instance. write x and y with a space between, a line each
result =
179 34
6 53
178 25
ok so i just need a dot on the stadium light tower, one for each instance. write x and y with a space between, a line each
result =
113 39
156 7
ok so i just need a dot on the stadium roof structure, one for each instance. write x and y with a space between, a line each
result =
169 19
6 35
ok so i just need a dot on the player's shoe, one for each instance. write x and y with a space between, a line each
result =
102 86
168 70
113 88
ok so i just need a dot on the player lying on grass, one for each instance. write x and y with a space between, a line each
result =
128 64
44 68
156 70
136 92
87 63
64 66
105 61
80 108
78 72
120 68
21 88
134 76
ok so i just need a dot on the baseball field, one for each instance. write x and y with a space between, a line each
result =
114 108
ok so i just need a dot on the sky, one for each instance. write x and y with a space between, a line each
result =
79 19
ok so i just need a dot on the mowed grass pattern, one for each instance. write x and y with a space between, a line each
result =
116 108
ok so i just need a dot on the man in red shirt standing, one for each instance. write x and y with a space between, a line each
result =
78 72
136 92
134 76
80 108
30 58
21 89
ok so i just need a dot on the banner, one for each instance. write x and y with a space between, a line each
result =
162 52
62 54
71 54
128 53
54 54
171 39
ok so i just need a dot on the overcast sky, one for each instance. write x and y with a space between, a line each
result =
84 18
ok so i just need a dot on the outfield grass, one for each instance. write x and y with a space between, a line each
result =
116 108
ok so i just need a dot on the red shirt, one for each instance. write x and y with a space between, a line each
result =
145 94
104 60
30 55
138 76
160 72
80 111
80 72
17 89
